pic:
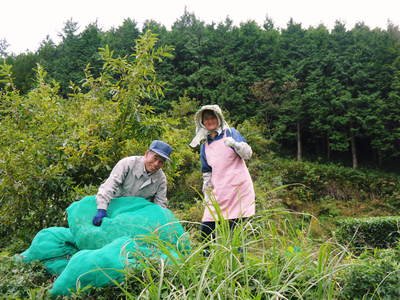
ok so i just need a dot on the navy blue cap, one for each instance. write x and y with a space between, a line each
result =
161 148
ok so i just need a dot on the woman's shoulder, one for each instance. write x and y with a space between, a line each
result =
235 134
231 131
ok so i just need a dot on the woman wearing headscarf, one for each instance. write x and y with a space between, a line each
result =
225 174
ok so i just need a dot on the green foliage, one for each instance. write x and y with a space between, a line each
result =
53 148
23 66
22 281
121 39
337 182
30 131
66 62
373 277
6 78
185 187
377 232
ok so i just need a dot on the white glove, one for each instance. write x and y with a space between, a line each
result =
229 142
241 148
207 184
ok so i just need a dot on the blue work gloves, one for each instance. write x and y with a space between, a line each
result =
101 213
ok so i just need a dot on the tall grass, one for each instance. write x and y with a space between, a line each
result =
271 256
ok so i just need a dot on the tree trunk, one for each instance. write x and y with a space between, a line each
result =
379 155
328 148
299 150
353 150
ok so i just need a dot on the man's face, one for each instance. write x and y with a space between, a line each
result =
153 161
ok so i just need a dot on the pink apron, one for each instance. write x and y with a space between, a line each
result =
233 187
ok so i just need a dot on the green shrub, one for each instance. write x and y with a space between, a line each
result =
184 188
20 280
375 277
51 147
377 232
317 182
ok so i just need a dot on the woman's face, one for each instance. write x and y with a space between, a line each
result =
210 121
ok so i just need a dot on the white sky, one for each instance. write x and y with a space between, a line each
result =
25 23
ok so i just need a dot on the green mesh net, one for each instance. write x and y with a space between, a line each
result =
86 255
53 246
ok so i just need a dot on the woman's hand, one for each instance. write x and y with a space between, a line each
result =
229 142
207 184
241 148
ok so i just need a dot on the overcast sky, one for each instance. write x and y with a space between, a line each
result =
25 23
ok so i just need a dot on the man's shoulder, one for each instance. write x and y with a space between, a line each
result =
131 159
131 163
160 175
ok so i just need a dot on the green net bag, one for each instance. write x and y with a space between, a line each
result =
133 231
126 216
53 246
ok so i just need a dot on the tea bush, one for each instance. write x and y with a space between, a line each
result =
20 280
314 182
374 276
377 232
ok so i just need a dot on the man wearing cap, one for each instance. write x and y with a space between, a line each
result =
136 176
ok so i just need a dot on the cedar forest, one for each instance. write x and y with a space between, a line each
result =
323 94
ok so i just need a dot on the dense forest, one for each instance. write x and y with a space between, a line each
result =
327 95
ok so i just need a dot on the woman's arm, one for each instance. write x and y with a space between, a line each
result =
205 167
206 171
238 143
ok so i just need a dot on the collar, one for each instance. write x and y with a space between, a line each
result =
219 131
220 134
140 170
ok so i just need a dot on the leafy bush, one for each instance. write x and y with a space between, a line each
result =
314 182
51 148
375 277
20 281
378 232
184 188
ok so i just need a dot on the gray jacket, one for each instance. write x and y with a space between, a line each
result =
130 179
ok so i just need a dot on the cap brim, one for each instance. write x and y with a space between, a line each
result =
161 154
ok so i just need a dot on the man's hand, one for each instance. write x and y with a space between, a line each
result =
101 213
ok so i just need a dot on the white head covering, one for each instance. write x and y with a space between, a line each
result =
201 130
